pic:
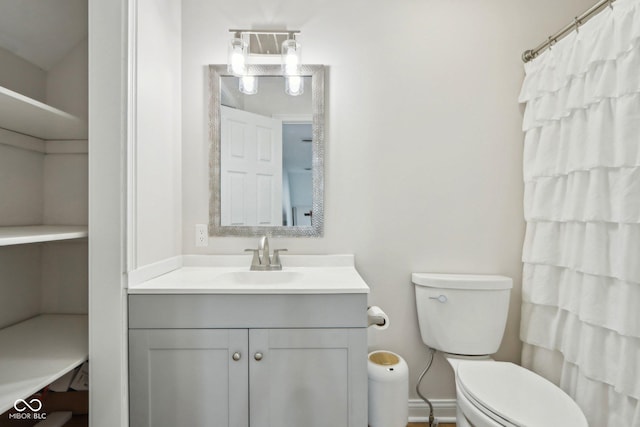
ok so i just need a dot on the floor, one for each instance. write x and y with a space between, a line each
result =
425 425
76 402
76 421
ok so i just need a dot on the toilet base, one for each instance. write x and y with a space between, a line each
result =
467 415
461 420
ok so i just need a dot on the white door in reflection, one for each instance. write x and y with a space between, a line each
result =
251 171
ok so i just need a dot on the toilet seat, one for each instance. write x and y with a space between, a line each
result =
514 396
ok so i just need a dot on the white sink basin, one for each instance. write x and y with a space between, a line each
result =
230 274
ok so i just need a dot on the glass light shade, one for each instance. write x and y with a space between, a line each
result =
294 85
237 57
291 58
249 85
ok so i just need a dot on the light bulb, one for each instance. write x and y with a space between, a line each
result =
294 85
291 58
237 58
291 65
249 85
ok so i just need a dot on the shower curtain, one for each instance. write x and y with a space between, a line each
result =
581 274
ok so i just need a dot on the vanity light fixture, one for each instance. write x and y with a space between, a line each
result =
265 45
291 56
237 56
291 66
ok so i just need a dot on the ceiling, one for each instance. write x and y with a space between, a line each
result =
42 31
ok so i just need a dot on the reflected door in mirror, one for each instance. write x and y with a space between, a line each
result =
251 176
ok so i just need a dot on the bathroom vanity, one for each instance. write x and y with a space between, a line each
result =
214 344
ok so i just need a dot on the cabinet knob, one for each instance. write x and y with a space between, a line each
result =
236 356
258 356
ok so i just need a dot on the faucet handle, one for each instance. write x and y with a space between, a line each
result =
276 257
255 261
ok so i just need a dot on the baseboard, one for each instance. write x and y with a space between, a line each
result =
444 410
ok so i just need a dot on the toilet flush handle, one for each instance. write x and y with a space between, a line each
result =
440 298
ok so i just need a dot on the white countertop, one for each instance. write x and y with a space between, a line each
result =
229 274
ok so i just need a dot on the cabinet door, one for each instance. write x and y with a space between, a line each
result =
308 377
188 377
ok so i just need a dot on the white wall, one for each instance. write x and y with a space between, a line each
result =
20 283
423 159
66 188
21 185
64 277
301 183
22 76
157 166
271 99
67 82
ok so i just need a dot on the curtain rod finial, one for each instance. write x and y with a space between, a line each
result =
527 55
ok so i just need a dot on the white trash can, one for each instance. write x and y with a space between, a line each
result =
388 390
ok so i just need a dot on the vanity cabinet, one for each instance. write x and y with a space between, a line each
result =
188 377
296 367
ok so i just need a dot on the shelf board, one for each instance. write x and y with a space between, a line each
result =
40 233
25 115
38 351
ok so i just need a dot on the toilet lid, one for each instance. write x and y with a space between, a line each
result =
518 395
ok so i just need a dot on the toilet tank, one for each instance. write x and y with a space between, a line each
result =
462 313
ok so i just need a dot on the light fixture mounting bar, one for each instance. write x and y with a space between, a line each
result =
289 32
264 42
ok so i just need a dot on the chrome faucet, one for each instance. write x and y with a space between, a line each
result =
262 260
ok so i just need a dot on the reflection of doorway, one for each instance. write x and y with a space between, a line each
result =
302 215
251 168
297 176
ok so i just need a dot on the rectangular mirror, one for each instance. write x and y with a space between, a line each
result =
266 165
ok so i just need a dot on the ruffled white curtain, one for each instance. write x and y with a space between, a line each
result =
581 279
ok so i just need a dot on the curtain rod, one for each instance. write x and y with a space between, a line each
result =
528 55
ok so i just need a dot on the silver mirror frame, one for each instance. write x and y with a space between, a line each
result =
215 209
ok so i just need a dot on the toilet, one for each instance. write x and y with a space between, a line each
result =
464 317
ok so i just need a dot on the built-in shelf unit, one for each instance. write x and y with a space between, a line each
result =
40 233
43 217
38 351
27 116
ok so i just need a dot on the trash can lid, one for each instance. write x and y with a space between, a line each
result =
384 358
387 367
